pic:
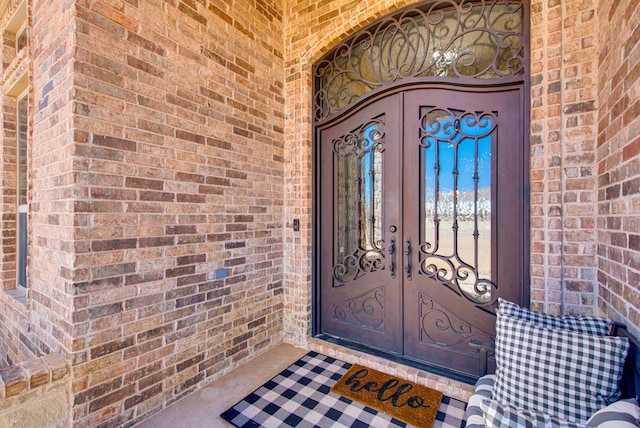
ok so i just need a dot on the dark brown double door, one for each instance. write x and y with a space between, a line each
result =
421 222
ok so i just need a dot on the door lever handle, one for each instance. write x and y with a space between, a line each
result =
407 252
392 257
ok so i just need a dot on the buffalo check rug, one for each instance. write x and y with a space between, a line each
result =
300 396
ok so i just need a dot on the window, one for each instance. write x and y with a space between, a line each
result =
22 124
21 39
15 165
17 29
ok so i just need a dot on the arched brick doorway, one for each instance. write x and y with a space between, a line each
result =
421 182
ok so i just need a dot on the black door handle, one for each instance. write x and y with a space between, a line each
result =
407 252
392 257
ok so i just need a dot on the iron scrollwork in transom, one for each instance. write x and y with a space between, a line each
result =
481 39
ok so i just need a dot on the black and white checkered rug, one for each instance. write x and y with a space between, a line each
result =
300 396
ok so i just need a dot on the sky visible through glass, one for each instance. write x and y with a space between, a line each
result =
465 139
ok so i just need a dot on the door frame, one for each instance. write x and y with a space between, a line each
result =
471 84
317 176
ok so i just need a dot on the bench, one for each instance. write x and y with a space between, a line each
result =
629 389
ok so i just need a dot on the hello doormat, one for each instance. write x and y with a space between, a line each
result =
407 401
300 396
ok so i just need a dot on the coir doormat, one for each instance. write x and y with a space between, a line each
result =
407 401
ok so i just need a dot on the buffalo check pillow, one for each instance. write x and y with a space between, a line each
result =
563 373
582 324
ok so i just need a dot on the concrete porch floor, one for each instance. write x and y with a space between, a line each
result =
202 408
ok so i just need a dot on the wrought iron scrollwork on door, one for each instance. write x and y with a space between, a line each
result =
456 155
365 311
358 157
442 327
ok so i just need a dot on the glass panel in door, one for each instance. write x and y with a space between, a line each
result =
456 169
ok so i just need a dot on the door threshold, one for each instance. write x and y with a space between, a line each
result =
429 368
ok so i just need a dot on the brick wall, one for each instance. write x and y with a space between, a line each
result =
563 130
8 165
178 165
618 160
168 167
51 232
29 327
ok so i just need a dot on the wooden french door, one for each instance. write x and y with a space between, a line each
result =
421 222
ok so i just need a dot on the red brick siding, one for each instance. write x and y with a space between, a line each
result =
178 173
51 249
618 161
8 168
563 180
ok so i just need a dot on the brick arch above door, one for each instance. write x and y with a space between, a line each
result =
311 32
